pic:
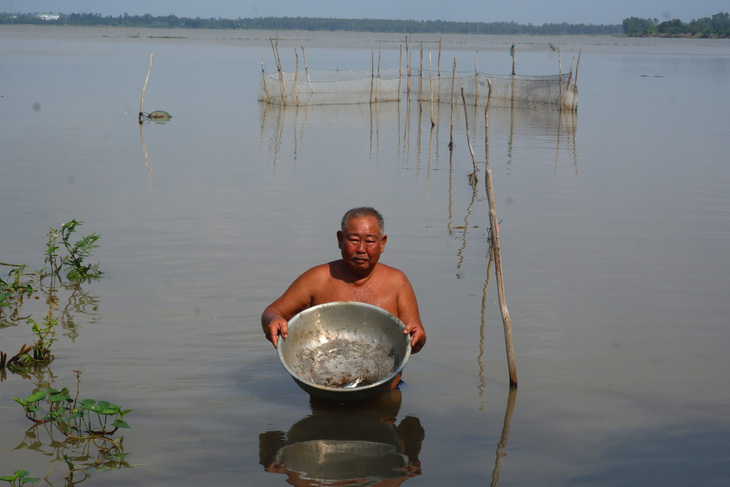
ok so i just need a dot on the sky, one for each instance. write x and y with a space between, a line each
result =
536 12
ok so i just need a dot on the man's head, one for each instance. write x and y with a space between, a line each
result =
360 212
361 240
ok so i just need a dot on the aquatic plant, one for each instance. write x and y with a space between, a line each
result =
88 418
19 477
78 252
86 424
22 282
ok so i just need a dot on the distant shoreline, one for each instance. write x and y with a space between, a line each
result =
715 27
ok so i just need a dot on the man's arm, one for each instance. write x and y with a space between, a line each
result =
409 315
275 318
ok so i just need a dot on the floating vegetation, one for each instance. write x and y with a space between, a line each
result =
157 116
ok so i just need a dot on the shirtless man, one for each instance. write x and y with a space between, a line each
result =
358 276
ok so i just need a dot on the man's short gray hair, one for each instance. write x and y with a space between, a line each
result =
360 212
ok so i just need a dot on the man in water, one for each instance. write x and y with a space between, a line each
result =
357 276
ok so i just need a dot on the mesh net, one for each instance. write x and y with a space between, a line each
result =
319 87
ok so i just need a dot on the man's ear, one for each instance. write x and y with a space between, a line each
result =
339 239
382 243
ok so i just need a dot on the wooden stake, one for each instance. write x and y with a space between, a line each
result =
372 74
438 72
514 50
141 101
473 176
408 68
296 76
277 58
430 85
560 81
377 81
400 70
420 72
453 80
306 70
506 320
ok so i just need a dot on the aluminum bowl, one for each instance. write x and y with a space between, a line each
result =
344 351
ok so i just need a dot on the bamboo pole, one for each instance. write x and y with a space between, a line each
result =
306 70
277 58
430 85
473 176
514 55
144 88
568 89
408 69
296 76
372 74
420 72
453 80
476 84
560 81
438 72
377 80
400 71
506 320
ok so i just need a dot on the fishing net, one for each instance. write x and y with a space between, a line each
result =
320 87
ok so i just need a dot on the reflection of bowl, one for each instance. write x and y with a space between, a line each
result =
344 350
338 462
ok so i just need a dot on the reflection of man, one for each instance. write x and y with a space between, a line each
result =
358 276
343 442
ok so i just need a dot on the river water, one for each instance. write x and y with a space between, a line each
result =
614 229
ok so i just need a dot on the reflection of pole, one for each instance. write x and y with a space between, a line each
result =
146 155
511 398
506 321
482 382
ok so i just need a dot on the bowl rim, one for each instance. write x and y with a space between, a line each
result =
359 390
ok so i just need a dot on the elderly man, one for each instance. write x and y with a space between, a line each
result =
357 276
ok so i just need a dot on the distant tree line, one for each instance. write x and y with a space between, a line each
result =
716 26
315 24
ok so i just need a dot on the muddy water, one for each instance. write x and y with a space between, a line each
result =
614 227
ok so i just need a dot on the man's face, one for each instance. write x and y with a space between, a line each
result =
361 244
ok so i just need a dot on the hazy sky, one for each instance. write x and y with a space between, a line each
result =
536 12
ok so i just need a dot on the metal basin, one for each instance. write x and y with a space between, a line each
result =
344 351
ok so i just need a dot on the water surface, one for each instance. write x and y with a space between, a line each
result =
615 225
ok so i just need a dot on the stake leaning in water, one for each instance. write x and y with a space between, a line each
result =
506 321
141 101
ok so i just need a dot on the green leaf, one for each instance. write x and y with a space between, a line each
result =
22 402
103 405
15 476
88 403
37 396
118 423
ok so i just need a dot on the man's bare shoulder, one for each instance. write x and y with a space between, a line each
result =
391 273
319 272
